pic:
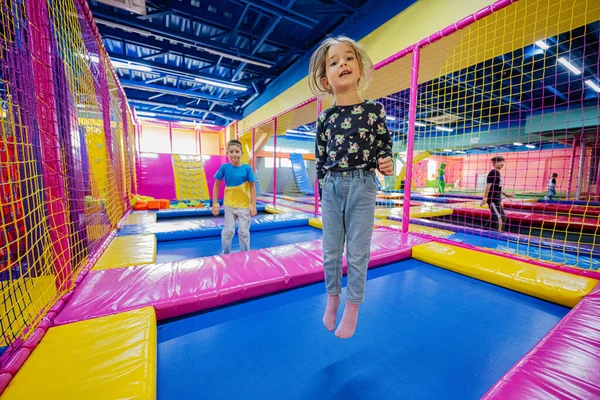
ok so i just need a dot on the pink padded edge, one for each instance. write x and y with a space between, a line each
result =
188 286
4 381
16 361
565 364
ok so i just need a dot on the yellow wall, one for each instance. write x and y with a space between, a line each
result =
415 23
210 143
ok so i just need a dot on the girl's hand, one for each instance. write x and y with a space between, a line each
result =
386 166
253 211
215 209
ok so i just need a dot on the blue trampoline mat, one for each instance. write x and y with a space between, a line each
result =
424 332
196 227
523 249
186 249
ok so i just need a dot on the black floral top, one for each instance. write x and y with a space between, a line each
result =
351 137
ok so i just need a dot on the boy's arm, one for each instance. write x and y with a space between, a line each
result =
215 196
486 194
252 199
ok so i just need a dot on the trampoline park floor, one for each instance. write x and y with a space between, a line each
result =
210 246
421 334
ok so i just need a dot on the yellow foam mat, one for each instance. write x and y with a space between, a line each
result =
111 357
126 251
425 211
275 209
545 283
141 218
271 209
415 228
316 222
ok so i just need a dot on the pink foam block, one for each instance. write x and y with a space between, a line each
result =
34 339
15 362
4 381
565 364
182 287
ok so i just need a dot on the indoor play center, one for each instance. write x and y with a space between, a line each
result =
115 117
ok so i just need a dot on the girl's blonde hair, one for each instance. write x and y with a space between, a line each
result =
318 65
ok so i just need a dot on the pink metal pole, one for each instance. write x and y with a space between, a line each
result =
58 221
597 194
319 109
412 117
572 166
274 161
253 151
171 136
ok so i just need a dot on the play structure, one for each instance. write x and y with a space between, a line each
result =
110 264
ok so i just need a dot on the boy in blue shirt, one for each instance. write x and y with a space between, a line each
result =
240 197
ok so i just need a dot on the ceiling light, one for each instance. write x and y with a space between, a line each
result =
447 150
530 146
570 66
593 85
221 84
133 67
518 144
443 129
389 118
542 45
145 114
420 124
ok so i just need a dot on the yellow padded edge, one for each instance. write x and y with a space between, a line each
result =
111 357
316 222
415 228
141 218
415 212
425 213
545 283
127 251
274 210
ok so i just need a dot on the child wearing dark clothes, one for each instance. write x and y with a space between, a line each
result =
493 195
551 187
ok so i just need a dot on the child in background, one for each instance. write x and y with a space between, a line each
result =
352 141
442 178
240 197
493 194
551 187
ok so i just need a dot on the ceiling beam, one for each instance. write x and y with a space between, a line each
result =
343 4
178 117
220 113
282 11
130 83
323 9
187 11
175 35
177 71
179 49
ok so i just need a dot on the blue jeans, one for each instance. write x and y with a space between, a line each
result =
348 208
